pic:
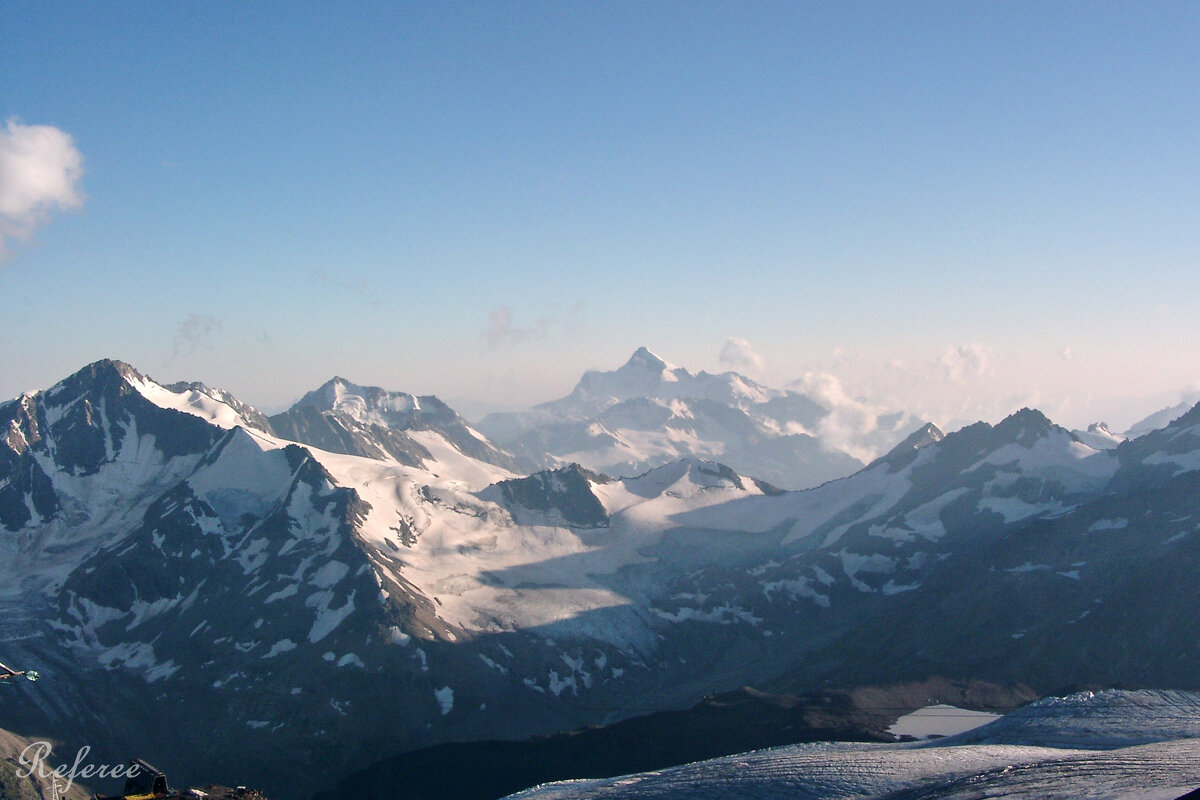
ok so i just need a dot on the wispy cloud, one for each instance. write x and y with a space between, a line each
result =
353 284
499 327
193 332
40 169
501 330
739 354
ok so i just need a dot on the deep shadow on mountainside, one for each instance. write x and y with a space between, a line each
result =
722 724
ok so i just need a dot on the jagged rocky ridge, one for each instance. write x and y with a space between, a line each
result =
343 417
168 558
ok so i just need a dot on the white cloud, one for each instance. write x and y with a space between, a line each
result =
738 354
823 387
40 169
850 422
966 361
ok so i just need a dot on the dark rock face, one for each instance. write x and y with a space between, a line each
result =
566 491
78 426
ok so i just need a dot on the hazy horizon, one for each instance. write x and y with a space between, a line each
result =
823 387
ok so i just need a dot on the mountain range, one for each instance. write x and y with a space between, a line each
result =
366 573
648 413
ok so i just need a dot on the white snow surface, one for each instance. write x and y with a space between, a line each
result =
1099 437
445 699
450 462
1056 456
461 541
223 485
1111 746
189 401
488 573
1187 462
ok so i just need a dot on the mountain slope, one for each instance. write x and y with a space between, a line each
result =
1163 417
1007 758
1085 590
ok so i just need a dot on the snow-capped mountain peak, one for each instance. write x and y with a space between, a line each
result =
213 405
646 375
648 412
1099 437
1026 426
344 417
369 405
643 375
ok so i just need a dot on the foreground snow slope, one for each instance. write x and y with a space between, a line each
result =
1111 746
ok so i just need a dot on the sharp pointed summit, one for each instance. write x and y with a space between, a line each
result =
1026 426
644 358
902 454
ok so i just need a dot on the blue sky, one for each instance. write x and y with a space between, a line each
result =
957 207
